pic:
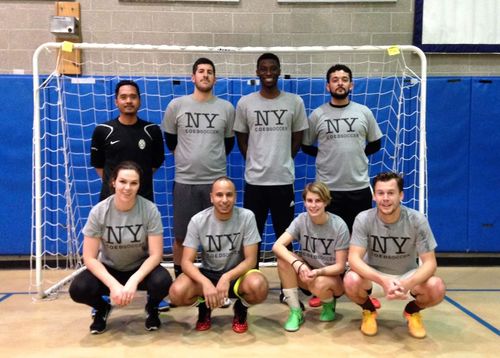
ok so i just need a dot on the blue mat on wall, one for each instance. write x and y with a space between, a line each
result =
464 171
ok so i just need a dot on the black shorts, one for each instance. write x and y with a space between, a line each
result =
348 204
278 199
214 277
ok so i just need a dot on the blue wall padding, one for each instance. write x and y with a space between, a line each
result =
484 176
463 155
16 106
448 110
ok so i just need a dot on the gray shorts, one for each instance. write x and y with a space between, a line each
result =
189 199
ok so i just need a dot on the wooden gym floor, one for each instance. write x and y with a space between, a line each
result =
466 324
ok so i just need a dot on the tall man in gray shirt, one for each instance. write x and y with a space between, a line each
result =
385 244
269 126
228 238
199 131
346 133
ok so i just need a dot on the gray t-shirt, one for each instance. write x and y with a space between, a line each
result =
201 127
393 248
342 134
318 243
270 124
222 242
123 234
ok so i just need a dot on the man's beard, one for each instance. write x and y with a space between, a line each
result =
340 95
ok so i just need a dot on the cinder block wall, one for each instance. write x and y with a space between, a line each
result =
25 24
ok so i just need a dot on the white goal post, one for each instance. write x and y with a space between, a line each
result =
390 80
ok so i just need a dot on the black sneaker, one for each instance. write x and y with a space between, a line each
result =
100 318
152 320
282 300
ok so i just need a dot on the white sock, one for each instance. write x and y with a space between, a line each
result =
327 300
292 297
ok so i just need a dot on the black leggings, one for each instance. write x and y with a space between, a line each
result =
88 289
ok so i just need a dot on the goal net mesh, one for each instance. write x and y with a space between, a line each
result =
68 107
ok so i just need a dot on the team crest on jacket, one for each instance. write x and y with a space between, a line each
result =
142 144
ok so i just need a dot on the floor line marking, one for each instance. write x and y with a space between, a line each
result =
473 315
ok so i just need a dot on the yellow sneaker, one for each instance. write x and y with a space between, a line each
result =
415 325
369 323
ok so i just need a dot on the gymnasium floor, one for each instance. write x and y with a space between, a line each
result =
466 324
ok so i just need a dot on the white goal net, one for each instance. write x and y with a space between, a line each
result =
389 80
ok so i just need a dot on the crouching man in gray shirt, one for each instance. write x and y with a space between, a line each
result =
228 240
385 244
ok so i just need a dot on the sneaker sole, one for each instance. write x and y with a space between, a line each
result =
96 332
327 320
295 330
369 334
240 330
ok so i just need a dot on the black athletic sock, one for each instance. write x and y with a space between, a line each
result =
177 270
203 311
240 310
412 307
368 305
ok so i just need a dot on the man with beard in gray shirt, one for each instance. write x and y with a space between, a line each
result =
199 131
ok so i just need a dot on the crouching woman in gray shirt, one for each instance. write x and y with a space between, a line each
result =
122 250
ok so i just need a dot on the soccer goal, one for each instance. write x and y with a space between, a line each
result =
389 80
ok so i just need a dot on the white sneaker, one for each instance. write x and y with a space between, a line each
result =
227 303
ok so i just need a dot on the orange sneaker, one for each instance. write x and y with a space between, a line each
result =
369 323
415 324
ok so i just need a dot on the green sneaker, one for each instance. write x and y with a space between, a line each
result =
327 311
295 319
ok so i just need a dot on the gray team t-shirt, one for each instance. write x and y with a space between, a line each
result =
222 242
123 234
201 127
393 248
342 133
318 243
270 124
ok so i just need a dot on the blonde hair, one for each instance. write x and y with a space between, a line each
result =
319 189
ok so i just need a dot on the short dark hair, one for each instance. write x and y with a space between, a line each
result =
268 56
125 165
126 83
338 67
202 61
386 176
